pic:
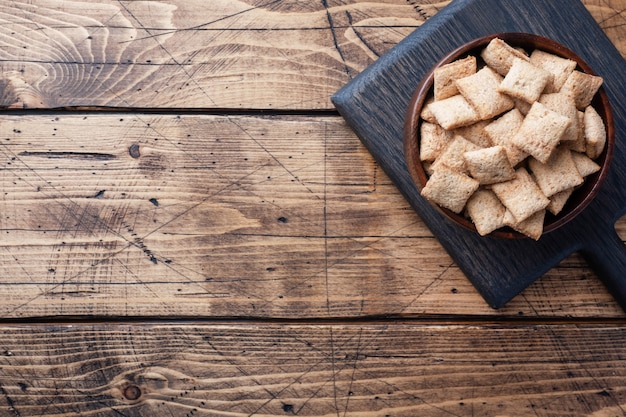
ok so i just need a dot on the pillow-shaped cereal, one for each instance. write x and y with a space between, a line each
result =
565 105
489 165
486 211
452 156
449 188
558 200
540 132
453 112
521 195
525 81
475 133
499 55
585 165
559 67
433 140
595 133
582 87
558 174
444 77
481 91
531 227
578 144
501 132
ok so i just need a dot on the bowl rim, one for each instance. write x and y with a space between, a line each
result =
527 41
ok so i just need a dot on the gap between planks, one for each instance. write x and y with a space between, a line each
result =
383 320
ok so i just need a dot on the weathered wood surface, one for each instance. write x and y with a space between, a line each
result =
229 216
388 369
140 182
223 53
193 54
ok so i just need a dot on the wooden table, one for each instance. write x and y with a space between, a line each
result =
189 228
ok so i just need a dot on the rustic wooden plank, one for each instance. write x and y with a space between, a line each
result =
347 370
227 216
187 54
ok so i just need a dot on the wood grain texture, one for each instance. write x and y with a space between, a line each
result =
324 370
228 216
192 54
189 54
317 289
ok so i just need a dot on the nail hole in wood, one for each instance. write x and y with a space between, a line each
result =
132 392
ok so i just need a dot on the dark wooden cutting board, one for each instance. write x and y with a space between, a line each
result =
375 102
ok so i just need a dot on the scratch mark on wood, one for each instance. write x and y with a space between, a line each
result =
180 65
421 10
204 25
361 37
332 369
325 198
327 357
99 194
352 376
332 28
616 13
314 367
83 156
274 158
9 401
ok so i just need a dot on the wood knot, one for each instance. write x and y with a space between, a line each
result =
133 150
132 392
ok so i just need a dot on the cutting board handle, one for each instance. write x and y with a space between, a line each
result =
608 259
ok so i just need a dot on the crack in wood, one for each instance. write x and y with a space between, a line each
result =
83 156
332 28
10 402
361 37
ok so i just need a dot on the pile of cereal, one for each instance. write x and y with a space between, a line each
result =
508 141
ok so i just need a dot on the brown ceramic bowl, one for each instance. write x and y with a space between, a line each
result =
579 199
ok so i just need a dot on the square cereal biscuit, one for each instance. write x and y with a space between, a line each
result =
565 105
522 106
489 165
558 174
582 87
426 114
433 140
595 133
558 200
585 165
486 211
521 195
453 112
499 55
531 227
444 77
475 133
525 81
501 132
560 67
449 189
540 132
481 91
578 144
452 156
